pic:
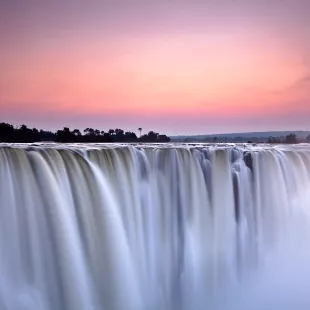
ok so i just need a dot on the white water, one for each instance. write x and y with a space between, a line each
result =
154 227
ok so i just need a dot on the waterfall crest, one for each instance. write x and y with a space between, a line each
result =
148 227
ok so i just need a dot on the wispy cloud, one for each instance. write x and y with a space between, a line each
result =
299 84
305 80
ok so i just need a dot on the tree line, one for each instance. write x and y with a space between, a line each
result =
288 139
24 134
285 139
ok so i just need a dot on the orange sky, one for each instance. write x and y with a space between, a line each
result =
197 78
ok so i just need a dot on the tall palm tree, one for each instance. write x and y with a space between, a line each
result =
140 129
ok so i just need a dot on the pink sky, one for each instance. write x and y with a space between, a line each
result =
172 66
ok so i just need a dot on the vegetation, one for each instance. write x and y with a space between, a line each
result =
24 134
274 140
289 139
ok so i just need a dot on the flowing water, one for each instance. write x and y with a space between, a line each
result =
154 227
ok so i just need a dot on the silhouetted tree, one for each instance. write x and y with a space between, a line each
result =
274 140
27 135
150 137
130 137
291 139
76 132
7 133
119 132
154 137
46 136
65 135
89 131
163 138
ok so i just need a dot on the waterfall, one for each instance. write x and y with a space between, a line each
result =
154 227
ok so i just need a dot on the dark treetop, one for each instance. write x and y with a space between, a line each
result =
23 134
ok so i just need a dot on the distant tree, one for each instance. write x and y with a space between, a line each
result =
119 132
24 134
140 130
91 131
7 133
76 132
23 127
65 135
308 139
163 138
154 137
274 140
291 139
130 137
46 136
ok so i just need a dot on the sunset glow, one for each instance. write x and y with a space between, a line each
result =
173 66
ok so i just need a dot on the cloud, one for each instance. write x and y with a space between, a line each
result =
300 84
303 81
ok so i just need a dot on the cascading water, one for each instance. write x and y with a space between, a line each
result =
154 227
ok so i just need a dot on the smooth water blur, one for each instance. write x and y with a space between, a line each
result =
149 227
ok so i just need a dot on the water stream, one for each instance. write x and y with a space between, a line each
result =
154 227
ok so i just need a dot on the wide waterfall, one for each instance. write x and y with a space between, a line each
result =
154 227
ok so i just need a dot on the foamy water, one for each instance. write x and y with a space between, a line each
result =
149 227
